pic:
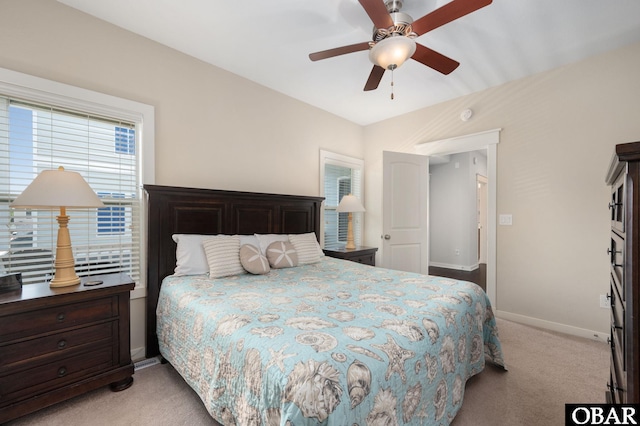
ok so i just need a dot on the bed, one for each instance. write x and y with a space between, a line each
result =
323 342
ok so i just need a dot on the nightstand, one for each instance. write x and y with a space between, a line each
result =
57 343
364 255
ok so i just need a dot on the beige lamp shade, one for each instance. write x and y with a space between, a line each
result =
59 189
350 204
53 189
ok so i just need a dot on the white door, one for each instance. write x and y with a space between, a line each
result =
405 199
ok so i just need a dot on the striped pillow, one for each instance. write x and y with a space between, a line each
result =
223 255
307 248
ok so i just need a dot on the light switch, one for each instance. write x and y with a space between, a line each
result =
505 219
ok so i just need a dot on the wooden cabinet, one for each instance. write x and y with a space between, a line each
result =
56 343
364 255
624 257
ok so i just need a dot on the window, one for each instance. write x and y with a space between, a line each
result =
102 142
111 219
125 140
341 175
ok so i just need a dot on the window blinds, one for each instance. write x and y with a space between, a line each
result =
37 137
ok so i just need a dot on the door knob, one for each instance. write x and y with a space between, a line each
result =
387 236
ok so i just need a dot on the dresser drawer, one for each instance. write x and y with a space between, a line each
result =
616 206
616 259
365 260
617 382
617 346
56 318
21 384
60 344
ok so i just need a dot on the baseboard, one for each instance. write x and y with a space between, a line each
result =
456 267
554 326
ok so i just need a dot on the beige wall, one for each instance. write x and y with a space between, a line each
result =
217 130
213 129
558 133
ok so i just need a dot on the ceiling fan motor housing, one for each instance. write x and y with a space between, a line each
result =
401 27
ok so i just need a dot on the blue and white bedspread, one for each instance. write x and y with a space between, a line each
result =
334 343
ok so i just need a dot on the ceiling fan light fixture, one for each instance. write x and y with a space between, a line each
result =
390 53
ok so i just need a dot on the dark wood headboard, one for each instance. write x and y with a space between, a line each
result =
175 210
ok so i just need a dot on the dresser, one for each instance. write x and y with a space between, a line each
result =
364 255
57 343
623 177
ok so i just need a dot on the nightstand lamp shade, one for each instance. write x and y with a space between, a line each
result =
59 189
350 204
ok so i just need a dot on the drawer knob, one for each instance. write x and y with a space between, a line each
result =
62 344
62 371
61 316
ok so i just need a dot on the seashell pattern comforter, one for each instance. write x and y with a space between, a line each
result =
334 343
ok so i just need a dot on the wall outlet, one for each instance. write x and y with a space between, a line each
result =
505 219
604 301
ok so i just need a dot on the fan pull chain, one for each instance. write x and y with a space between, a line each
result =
392 84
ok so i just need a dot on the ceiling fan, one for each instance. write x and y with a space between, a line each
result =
394 33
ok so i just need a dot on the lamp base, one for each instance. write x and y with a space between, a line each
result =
55 282
65 275
350 241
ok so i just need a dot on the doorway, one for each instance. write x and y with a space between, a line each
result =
484 140
458 216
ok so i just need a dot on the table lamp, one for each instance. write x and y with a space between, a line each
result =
53 189
350 204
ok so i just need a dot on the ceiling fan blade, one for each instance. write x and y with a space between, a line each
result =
374 78
449 12
330 53
377 12
434 60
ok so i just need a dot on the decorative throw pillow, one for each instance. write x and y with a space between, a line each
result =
252 260
223 255
307 248
281 254
190 256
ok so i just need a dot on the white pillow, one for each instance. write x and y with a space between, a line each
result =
265 240
223 255
307 247
252 260
249 239
190 256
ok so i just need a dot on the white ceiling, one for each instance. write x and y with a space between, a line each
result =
269 41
